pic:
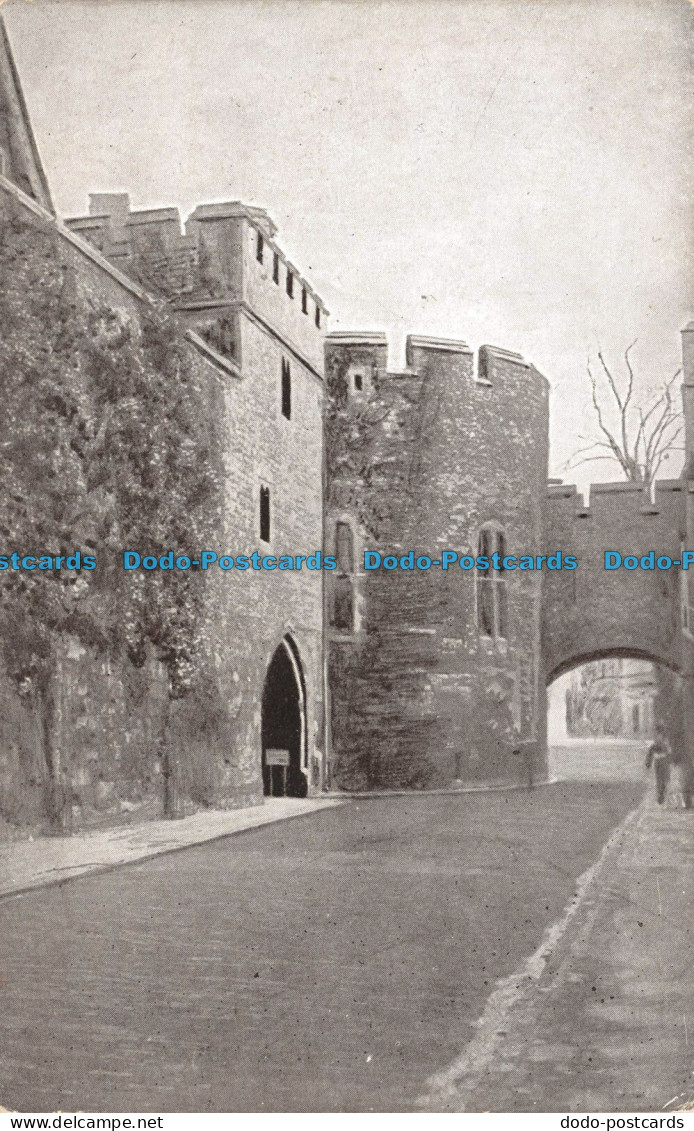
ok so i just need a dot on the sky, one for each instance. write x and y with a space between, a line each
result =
513 172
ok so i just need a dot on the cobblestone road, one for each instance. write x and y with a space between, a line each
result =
329 963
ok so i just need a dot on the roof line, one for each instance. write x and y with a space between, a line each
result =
82 245
25 115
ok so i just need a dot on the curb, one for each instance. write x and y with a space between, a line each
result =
112 866
448 1090
447 792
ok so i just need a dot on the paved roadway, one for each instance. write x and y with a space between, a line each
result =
329 963
607 759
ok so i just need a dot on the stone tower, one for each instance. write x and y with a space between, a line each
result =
435 673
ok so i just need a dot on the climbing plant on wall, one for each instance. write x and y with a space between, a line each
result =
107 443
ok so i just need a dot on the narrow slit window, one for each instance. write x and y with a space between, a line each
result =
259 247
290 284
501 608
485 606
342 584
344 547
342 606
304 300
317 316
358 382
275 267
492 605
265 514
286 389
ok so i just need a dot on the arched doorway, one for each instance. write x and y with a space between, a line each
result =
283 725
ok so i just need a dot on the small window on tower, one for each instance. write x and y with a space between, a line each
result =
290 284
317 316
490 583
342 591
286 389
304 300
483 367
358 382
265 514
275 267
342 605
259 246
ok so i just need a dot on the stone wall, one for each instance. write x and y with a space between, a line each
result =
117 722
687 580
421 461
591 611
220 278
258 608
226 261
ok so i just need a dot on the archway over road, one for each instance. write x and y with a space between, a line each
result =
592 612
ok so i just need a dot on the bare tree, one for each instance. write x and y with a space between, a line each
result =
637 435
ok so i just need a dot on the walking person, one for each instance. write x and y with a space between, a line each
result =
660 757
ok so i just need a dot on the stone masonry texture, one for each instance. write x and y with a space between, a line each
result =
421 461
113 718
423 690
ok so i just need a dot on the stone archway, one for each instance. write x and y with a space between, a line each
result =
590 700
578 658
284 725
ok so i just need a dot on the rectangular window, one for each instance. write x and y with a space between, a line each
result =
265 514
358 382
286 389
342 607
275 267
259 245
290 284
317 316
304 300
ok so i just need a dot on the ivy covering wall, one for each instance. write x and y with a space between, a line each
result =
109 440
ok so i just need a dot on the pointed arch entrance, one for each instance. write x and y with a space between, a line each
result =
284 724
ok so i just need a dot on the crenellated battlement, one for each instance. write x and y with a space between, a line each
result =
123 234
224 262
426 458
634 610
623 495
365 338
427 356
416 342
